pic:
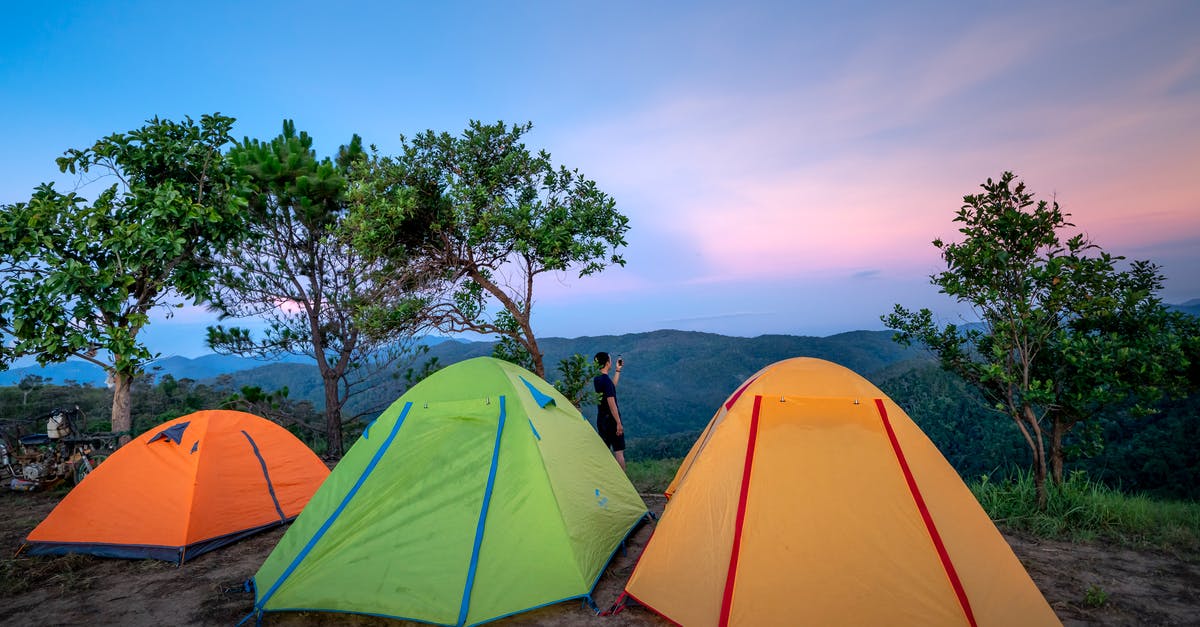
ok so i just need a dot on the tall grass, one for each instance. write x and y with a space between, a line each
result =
1081 510
652 475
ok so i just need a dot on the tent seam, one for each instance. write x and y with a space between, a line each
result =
561 518
927 516
187 525
740 521
259 606
266 475
482 523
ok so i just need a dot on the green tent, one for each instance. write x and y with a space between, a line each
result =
480 493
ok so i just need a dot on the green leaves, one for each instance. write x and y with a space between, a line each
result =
480 206
1065 332
80 279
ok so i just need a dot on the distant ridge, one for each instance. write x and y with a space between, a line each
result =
1190 307
734 358
87 373
198 368
673 380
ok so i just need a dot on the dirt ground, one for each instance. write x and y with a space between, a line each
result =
1128 587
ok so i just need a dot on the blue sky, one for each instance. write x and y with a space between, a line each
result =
784 166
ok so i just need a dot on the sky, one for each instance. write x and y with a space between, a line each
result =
784 166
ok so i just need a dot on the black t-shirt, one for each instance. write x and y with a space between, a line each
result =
604 386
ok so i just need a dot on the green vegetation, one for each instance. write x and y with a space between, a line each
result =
80 278
652 476
1095 596
668 402
488 215
23 411
302 277
1064 335
66 573
1082 509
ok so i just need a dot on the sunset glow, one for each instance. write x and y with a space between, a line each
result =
784 167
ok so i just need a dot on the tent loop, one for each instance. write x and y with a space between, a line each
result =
617 605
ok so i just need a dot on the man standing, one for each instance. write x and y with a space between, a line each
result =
608 417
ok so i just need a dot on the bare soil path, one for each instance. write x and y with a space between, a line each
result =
1137 587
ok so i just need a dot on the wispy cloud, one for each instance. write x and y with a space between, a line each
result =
868 166
716 317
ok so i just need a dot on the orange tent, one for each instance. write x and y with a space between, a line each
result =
188 486
811 498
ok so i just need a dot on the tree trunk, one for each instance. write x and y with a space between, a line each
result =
1056 452
539 367
1039 456
333 418
122 422
1039 480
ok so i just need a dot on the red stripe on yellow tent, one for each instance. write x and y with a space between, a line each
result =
834 531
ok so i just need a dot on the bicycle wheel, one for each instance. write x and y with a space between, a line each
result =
86 465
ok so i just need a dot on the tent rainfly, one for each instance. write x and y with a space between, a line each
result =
812 499
184 488
480 493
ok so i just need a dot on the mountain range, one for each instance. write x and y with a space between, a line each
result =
445 349
671 382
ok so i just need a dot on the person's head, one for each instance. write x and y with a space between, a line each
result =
601 360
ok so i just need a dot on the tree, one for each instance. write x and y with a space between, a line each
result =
494 217
30 383
575 383
1124 351
80 279
1063 332
301 275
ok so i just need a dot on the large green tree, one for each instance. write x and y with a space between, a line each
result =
493 217
80 278
1121 350
300 274
1063 331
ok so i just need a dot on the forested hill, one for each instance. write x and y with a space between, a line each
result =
673 383
673 380
1190 307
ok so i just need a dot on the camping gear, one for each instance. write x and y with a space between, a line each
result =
480 493
811 498
63 453
183 488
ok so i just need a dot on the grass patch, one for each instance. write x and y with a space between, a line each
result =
1082 510
652 475
68 572
1095 596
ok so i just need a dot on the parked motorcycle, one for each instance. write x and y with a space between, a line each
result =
63 454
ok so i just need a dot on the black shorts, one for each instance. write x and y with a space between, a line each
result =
607 426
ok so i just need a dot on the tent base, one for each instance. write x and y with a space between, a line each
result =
175 554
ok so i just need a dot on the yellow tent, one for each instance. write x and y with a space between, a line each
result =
811 498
